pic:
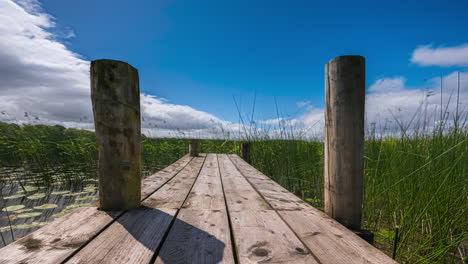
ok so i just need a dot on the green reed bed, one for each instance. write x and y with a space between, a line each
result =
418 185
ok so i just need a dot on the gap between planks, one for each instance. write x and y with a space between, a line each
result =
329 241
138 235
259 233
59 240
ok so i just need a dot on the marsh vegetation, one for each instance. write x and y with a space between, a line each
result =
414 184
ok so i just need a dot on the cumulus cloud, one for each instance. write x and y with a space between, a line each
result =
441 56
388 85
391 105
43 81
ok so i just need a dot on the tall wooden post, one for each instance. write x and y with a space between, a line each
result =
344 139
245 151
194 148
115 95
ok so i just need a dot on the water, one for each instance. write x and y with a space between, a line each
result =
27 203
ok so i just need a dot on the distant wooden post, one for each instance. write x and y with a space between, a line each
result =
344 139
115 95
245 151
194 148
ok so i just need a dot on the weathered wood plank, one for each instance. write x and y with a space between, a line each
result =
201 233
173 193
260 235
238 192
207 192
58 240
137 234
327 239
151 183
198 236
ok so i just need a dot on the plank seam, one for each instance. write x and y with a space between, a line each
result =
166 234
120 215
276 211
231 230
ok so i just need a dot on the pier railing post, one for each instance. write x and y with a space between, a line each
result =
194 148
115 95
344 139
245 151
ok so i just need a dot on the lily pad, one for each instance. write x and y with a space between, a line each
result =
61 213
24 226
28 215
30 188
13 196
36 196
60 192
75 194
45 206
73 206
23 210
13 208
89 197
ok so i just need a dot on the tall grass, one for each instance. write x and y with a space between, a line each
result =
416 182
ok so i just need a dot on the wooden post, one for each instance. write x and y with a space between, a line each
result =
344 139
245 151
115 95
194 148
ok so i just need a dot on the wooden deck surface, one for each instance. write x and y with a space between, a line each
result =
215 208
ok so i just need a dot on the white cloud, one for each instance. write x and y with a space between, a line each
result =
388 85
43 78
390 105
441 56
304 103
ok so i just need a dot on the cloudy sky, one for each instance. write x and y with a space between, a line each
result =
207 66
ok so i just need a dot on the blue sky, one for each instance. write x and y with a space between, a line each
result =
206 54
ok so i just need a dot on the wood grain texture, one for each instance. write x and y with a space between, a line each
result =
54 242
201 233
344 139
261 236
199 236
239 193
136 235
174 192
327 239
115 96
151 183
133 238
58 240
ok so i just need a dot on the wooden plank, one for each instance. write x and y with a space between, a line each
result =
136 235
198 236
201 233
207 192
260 235
151 183
58 240
327 239
239 194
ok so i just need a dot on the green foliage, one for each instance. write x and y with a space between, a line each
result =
417 183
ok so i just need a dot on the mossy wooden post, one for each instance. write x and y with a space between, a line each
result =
194 148
245 151
344 139
115 95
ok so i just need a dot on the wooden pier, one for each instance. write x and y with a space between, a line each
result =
214 208
210 208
